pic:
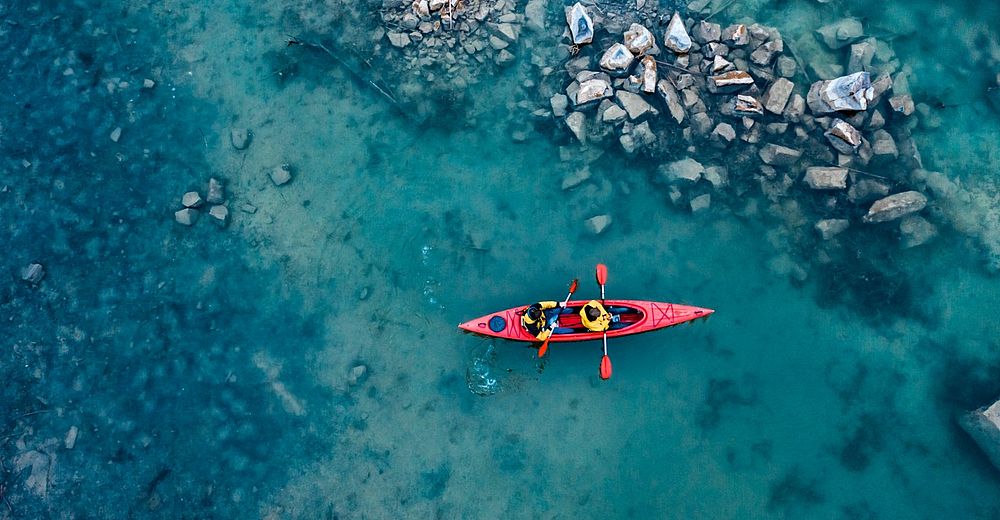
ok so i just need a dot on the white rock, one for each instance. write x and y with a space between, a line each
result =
220 213
216 192
581 27
356 374
701 203
597 224
830 228
70 441
684 171
724 132
896 206
186 216
148 83
638 39
720 65
116 134
849 93
648 75
676 37
593 90
823 178
617 60
191 199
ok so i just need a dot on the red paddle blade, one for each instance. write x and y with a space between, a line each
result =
605 368
572 286
544 348
602 274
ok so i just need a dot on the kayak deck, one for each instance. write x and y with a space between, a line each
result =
629 317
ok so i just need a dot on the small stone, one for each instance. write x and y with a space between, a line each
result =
915 230
357 374
597 224
764 55
216 192
701 203
638 39
240 138
829 228
720 64
116 134
33 273
896 206
70 440
248 208
191 199
648 74
902 104
823 178
705 32
148 83
776 97
220 214
684 171
777 155
795 109
676 37
724 132
186 216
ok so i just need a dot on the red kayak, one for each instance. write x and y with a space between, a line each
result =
629 317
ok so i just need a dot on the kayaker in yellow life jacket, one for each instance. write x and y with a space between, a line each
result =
537 322
595 317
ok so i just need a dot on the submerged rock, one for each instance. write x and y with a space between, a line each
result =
840 34
777 155
240 138
559 103
823 178
220 213
902 104
597 224
895 206
847 93
581 27
638 39
186 216
883 145
33 273
216 191
684 171
915 230
617 60
676 37
280 174
829 228
613 114
577 124
701 203
191 199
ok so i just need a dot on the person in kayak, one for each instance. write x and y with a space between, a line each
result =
595 317
537 321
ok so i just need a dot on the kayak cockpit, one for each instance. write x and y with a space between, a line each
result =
622 317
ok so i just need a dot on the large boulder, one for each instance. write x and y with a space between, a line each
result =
581 26
684 171
676 37
672 99
592 90
577 124
849 93
636 107
895 206
823 178
638 39
617 60
705 32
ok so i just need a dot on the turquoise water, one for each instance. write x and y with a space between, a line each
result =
207 370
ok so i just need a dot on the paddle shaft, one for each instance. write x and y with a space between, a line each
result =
602 278
545 344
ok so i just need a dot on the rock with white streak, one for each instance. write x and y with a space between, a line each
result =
829 228
849 93
581 26
647 75
747 106
676 37
896 206
729 82
636 107
823 178
617 60
843 137
672 100
776 96
638 39
736 35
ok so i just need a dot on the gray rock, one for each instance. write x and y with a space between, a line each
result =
676 37
577 177
720 65
747 106
786 67
638 39
883 145
983 425
504 57
795 109
765 54
915 230
822 178
724 132
896 206
593 90
701 123
577 124
684 171
901 104
220 213
534 15
613 114
33 273
847 93
116 134
705 32
776 96
717 176
729 82
70 440
876 121
398 39
186 216
715 50
559 103
581 26
148 83
357 374
701 203
498 43
736 35
777 155
841 33
617 60
861 56
640 136
597 224
843 137
671 99
636 107
191 199
829 228
280 174
216 192
240 138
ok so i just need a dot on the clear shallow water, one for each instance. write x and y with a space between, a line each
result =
208 370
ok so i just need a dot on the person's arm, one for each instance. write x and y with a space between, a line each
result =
549 305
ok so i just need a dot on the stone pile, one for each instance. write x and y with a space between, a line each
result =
736 88
193 204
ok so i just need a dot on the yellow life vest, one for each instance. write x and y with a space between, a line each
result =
539 328
602 323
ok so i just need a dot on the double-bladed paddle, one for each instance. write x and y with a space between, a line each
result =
602 278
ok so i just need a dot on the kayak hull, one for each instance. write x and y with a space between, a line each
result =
631 317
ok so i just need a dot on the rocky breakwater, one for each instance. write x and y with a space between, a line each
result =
676 89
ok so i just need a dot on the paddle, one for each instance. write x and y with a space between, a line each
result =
545 344
602 278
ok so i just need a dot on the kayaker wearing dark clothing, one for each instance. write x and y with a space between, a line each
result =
595 317
537 322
